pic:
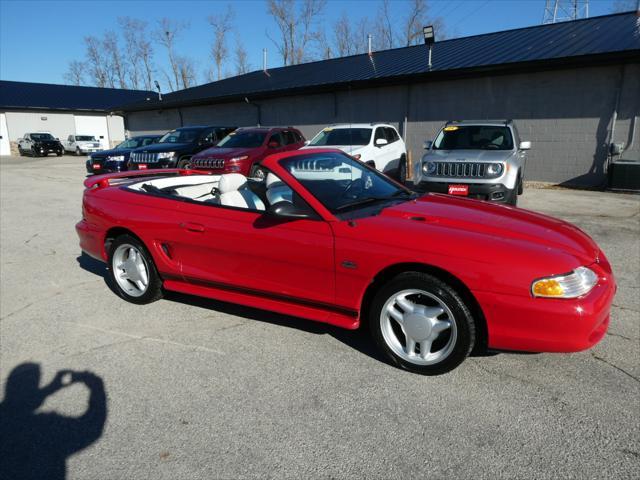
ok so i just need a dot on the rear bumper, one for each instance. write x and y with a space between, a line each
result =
495 192
91 241
548 325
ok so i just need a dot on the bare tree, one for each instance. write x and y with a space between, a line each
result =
242 63
296 27
136 51
96 64
75 73
385 37
115 58
186 72
350 38
222 25
166 34
413 22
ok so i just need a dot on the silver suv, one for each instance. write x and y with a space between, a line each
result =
478 159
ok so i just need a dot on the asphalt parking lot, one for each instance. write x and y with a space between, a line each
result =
202 389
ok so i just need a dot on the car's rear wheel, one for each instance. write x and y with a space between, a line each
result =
421 324
402 171
132 271
20 151
258 172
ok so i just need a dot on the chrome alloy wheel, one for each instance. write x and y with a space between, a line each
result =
130 270
418 327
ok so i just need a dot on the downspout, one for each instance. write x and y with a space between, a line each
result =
180 115
614 118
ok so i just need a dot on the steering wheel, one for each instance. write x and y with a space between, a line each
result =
353 184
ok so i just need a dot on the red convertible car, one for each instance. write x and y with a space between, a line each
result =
327 238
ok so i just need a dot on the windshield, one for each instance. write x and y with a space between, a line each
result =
341 183
131 143
243 140
85 138
42 136
474 137
186 135
342 136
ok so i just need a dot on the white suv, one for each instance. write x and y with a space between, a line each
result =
377 144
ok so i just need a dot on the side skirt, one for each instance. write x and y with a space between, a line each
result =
333 315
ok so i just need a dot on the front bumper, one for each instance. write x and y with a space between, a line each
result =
495 192
105 166
546 324
165 163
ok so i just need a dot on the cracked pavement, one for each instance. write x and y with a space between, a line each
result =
202 389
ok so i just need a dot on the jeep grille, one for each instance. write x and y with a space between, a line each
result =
209 163
143 157
460 169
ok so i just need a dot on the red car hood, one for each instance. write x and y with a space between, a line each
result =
502 223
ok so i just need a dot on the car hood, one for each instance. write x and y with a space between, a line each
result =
350 149
221 152
162 147
469 155
484 226
112 152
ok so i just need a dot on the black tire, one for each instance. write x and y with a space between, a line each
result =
258 172
402 171
154 288
520 185
457 346
512 197
20 151
184 163
78 152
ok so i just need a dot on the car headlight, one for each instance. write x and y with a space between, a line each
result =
494 169
429 168
239 159
570 285
116 158
163 155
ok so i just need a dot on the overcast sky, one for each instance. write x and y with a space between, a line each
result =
38 39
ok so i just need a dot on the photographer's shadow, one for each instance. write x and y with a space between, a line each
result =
36 445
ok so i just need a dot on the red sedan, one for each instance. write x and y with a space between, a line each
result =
327 238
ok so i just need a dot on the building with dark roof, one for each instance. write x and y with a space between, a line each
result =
62 110
573 89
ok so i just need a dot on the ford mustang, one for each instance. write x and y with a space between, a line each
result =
325 237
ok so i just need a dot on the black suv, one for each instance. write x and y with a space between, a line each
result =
39 144
116 159
176 148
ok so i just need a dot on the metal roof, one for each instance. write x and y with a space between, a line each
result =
603 38
45 96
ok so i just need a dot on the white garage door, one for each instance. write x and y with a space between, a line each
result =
93 125
5 147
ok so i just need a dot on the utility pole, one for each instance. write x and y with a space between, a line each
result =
565 10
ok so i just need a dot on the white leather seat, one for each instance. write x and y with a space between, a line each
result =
235 193
277 190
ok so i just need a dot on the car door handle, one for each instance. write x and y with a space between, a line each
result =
192 227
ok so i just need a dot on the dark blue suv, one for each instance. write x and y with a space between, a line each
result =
116 160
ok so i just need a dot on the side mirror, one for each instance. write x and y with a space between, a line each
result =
274 145
57 139
287 210
525 145
381 141
427 145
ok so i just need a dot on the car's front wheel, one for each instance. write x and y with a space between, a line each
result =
184 163
421 324
132 271
78 152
